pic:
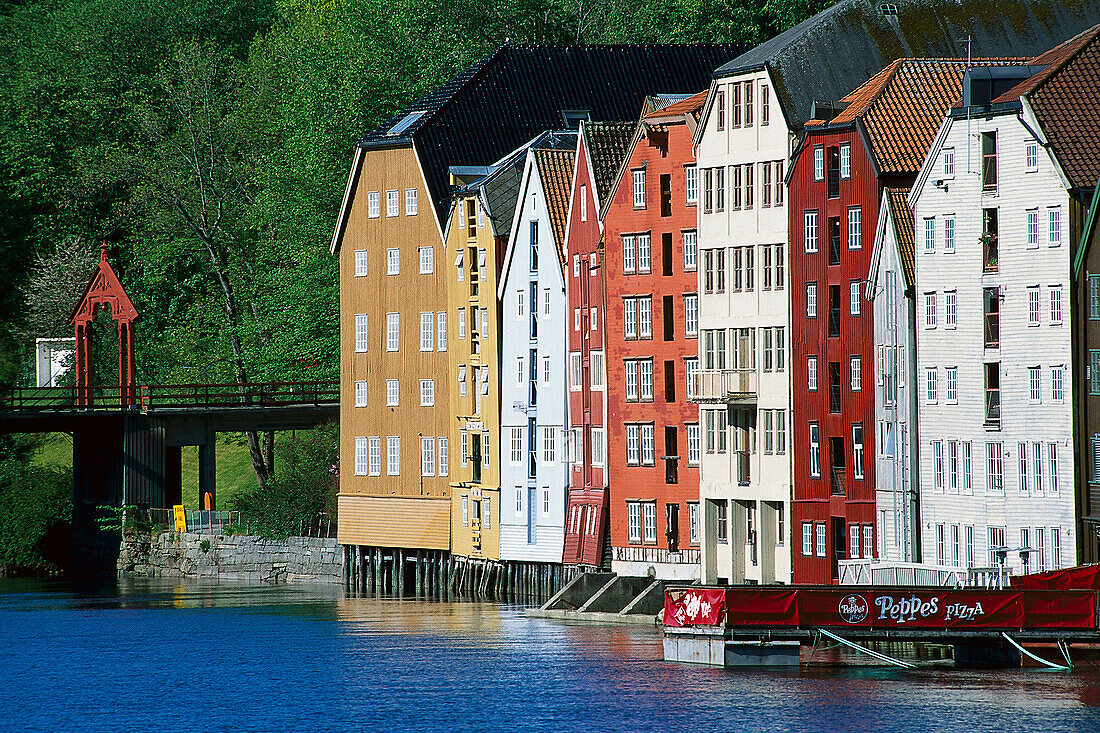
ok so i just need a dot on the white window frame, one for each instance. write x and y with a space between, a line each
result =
427 393
361 260
362 335
393 331
637 177
393 393
373 204
393 203
427 260
361 392
393 261
410 202
393 455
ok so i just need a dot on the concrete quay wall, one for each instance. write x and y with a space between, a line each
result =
232 557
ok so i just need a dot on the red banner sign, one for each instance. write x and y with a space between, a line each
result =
912 608
695 607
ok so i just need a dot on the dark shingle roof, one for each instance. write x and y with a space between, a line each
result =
519 91
838 49
500 187
898 199
608 143
556 173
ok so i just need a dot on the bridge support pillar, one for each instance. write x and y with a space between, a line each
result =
207 472
173 475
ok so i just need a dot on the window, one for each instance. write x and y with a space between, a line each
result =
360 262
930 234
952 374
360 394
392 331
1021 450
1094 372
766 184
1054 226
633 449
1032 228
410 202
427 260
427 332
931 382
1056 305
644 253
807 539
949 234
1057 384
819 528
819 163
373 204
748 104
427 457
811 300
815 451
645 317
393 261
1033 380
937 465
391 393
778 182
855 226
691 244
630 318
854 299
715 425
1033 310
630 254
693 522
1031 155
989 161
649 517
546 302
968 467
546 370
599 447
765 104
853 540
427 392
374 456
714 271
994 467
857 374
638 178
393 456
1052 466
549 445
694 449
720 109
647 445
645 378
634 522
953 466
584 202
811 232
845 161
811 373
950 309
691 184
441 330
360 456
392 203
929 310
360 332
949 162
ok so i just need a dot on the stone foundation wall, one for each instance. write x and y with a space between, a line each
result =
240 558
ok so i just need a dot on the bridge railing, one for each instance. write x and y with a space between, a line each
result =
267 394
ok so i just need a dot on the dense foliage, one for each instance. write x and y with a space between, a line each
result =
208 143
302 489
35 510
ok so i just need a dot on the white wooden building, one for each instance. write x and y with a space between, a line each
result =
994 356
534 473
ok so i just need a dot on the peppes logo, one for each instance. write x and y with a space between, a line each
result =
853 608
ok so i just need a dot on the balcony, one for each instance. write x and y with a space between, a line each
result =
729 386
993 408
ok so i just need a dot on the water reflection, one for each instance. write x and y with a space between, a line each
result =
201 656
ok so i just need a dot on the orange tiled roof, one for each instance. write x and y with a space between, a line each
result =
898 199
1065 98
903 105
556 173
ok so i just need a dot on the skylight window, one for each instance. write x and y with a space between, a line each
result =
405 123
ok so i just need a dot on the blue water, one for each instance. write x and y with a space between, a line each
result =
180 656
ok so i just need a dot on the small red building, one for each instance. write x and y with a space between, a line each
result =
601 147
876 136
651 289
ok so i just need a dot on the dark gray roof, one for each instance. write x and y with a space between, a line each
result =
835 51
500 188
518 91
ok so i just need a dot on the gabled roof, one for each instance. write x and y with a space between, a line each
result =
608 143
898 201
691 105
1065 98
518 91
103 288
555 169
902 106
841 47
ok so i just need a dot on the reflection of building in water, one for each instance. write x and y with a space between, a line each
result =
53 359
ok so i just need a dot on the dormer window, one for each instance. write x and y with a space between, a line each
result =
574 117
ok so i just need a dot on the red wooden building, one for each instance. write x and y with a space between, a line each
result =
601 147
650 265
876 136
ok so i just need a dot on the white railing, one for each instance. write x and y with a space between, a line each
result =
876 572
722 385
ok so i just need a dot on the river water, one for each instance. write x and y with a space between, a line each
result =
183 656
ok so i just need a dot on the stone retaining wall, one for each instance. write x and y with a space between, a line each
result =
182 555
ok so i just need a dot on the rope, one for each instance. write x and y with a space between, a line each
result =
1064 648
1052 665
870 652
